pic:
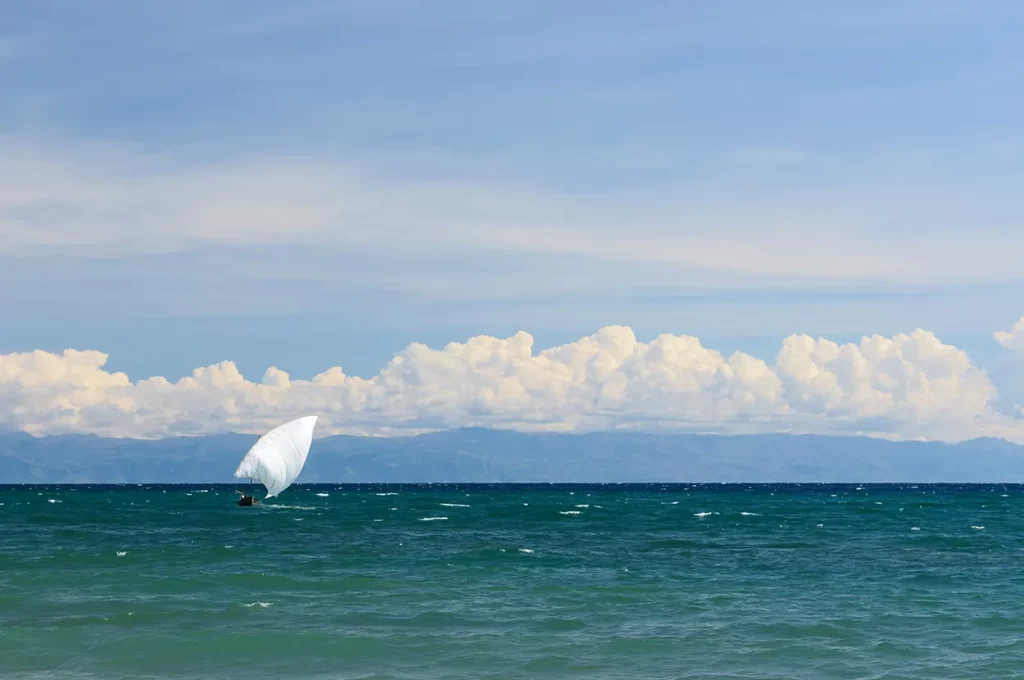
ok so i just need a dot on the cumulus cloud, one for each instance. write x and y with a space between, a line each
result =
905 386
1012 339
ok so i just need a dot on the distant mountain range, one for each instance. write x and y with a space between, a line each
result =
481 455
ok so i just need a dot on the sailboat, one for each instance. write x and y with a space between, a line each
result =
277 458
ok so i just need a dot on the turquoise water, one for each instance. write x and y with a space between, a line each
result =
513 582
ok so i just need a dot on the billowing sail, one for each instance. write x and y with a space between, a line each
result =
277 458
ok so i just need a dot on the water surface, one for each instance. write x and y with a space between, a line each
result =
513 581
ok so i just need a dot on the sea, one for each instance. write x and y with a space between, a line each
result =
513 581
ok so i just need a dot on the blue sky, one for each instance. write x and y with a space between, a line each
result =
309 184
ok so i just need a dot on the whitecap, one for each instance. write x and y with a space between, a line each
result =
750 514
378 520
702 515
582 505
323 495
121 553
263 605
526 550
431 519
915 528
229 547
53 500
568 512
390 493
820 525
453 505
979 528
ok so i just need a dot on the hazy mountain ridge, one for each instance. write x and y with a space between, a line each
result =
480 455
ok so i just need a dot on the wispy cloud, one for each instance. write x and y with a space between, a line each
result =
105 200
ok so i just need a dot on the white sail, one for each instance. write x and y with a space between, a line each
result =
277 458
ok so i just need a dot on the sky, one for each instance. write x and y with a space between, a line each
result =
728 217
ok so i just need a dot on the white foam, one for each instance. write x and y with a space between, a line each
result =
750 514
977 528
582 505
263 605
820 525
432 519
390 493
526 550
378 520
702 515
121 553
453 505
323 495
53 500
229 547
568 512
915 528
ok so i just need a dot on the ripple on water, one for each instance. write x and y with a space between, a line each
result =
513 586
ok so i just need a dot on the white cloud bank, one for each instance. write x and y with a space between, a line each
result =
906 386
